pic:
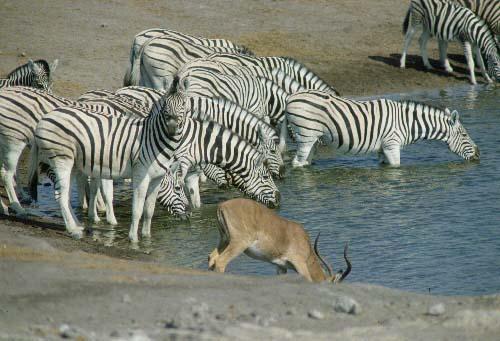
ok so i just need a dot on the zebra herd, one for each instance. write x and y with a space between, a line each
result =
193 108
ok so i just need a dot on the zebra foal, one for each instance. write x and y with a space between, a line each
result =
382 126
36 74
448 21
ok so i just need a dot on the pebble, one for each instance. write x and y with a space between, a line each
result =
126 298
347 305
316 315
66 332
436 310
22 54
114 333
104 25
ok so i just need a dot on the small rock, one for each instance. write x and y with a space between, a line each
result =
171 324
66 332
347 305
104 25
126 298
290 312
114 333
436 310
316 315
22 54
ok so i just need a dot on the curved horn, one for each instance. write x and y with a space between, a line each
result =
349 267
328 267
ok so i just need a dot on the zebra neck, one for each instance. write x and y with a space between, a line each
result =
479 34
276 100
423 122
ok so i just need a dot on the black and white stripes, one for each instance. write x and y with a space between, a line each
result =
36 74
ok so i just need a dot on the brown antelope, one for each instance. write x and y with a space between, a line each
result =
250 227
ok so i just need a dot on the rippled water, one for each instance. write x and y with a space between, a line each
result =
432 223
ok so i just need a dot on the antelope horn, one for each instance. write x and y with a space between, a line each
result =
328 267
349 267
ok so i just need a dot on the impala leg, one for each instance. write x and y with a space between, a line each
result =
470 61
107 193
140 187
406 45
7 171
212 257
280 270
232 251
443 58
424 38
149 205
302 269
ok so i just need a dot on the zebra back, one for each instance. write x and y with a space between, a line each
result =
146 96
488 10
263 66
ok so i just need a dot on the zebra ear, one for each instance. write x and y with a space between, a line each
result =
53 66
455 117
33 67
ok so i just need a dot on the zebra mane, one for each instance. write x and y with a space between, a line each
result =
40 62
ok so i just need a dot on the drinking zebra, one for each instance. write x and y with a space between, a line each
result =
488 10
161 57
382 126
36 74
264 66
448 21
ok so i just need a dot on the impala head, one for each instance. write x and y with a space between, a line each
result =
341 274
269 149
258 184
459 140
172 195
42 74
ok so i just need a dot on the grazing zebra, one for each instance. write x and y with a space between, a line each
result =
382 126
36 74
448 21
259 95
162 57
263 66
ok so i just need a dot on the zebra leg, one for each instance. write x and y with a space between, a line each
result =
443 58
107 193
304 154
140 185
7 172
193 187
92 213
470 61
392 154
62 187
149 205
81 188
480 62
408 37
424 38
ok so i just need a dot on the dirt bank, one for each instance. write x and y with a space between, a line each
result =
354 45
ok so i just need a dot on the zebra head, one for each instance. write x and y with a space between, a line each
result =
269 149
258 184
42 74
459 140
173 108
493 61
216 174
172 195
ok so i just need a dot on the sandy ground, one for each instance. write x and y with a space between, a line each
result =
52 286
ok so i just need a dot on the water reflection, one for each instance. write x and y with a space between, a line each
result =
432 223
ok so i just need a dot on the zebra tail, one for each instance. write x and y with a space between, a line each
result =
406 22
33 173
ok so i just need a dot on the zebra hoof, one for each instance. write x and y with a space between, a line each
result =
76 233
133 238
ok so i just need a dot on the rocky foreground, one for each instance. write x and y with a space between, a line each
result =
49 292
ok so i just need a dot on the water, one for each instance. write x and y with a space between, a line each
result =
432 223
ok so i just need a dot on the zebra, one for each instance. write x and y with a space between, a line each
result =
488 10
228 114
36 74
264 66
448 21
162 57
259 95
382 126
103 146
